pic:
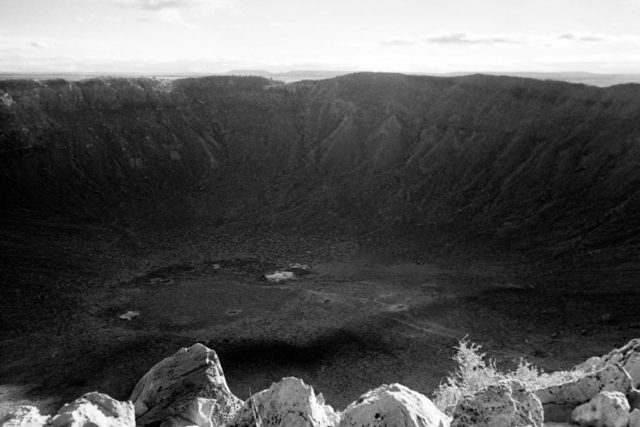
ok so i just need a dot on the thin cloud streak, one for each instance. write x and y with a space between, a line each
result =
156 5
463 38
168 16
40 45
583 38
399 42
160 5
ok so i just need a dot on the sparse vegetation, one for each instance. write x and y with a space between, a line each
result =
475 371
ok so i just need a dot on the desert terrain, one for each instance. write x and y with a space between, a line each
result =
427 210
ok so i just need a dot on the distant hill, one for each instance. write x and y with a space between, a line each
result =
289 76
527 163
591 79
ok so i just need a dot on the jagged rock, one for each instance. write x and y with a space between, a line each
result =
634 418
24 416
496 406
393 405
610 378
628 356
187 387
287 403
591 364
194 412
527 402
94 409
607 409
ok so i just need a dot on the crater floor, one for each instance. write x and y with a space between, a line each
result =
370 311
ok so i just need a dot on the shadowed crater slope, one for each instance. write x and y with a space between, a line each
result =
537 164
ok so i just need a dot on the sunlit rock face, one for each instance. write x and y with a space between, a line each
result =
94 409
393 405
502 405
90 410
606 409
24 416
529 162
628 356
189 389
610 378
289 402
188 386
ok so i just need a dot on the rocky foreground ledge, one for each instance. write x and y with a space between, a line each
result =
189 389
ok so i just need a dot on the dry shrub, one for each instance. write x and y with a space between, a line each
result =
475 371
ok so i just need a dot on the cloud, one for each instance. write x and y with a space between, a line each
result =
455 39
583 37
399 41
159 5
167 16
464 38
40 45
176 12
461 38
154 4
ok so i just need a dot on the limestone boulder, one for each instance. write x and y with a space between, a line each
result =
498 406
607 409
591 364
193 413
526 402
289 402
393 405
612 377
634 418
188 387
24 416
94 409
628 356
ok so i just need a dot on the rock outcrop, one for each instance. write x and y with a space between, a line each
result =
499 406
24 416
188 387
610 378
94 409
607 409
527 402
287 403
628 356
90 410
393 405
558 401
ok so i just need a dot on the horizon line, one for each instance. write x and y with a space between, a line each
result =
258 72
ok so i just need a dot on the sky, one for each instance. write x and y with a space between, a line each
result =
414 36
